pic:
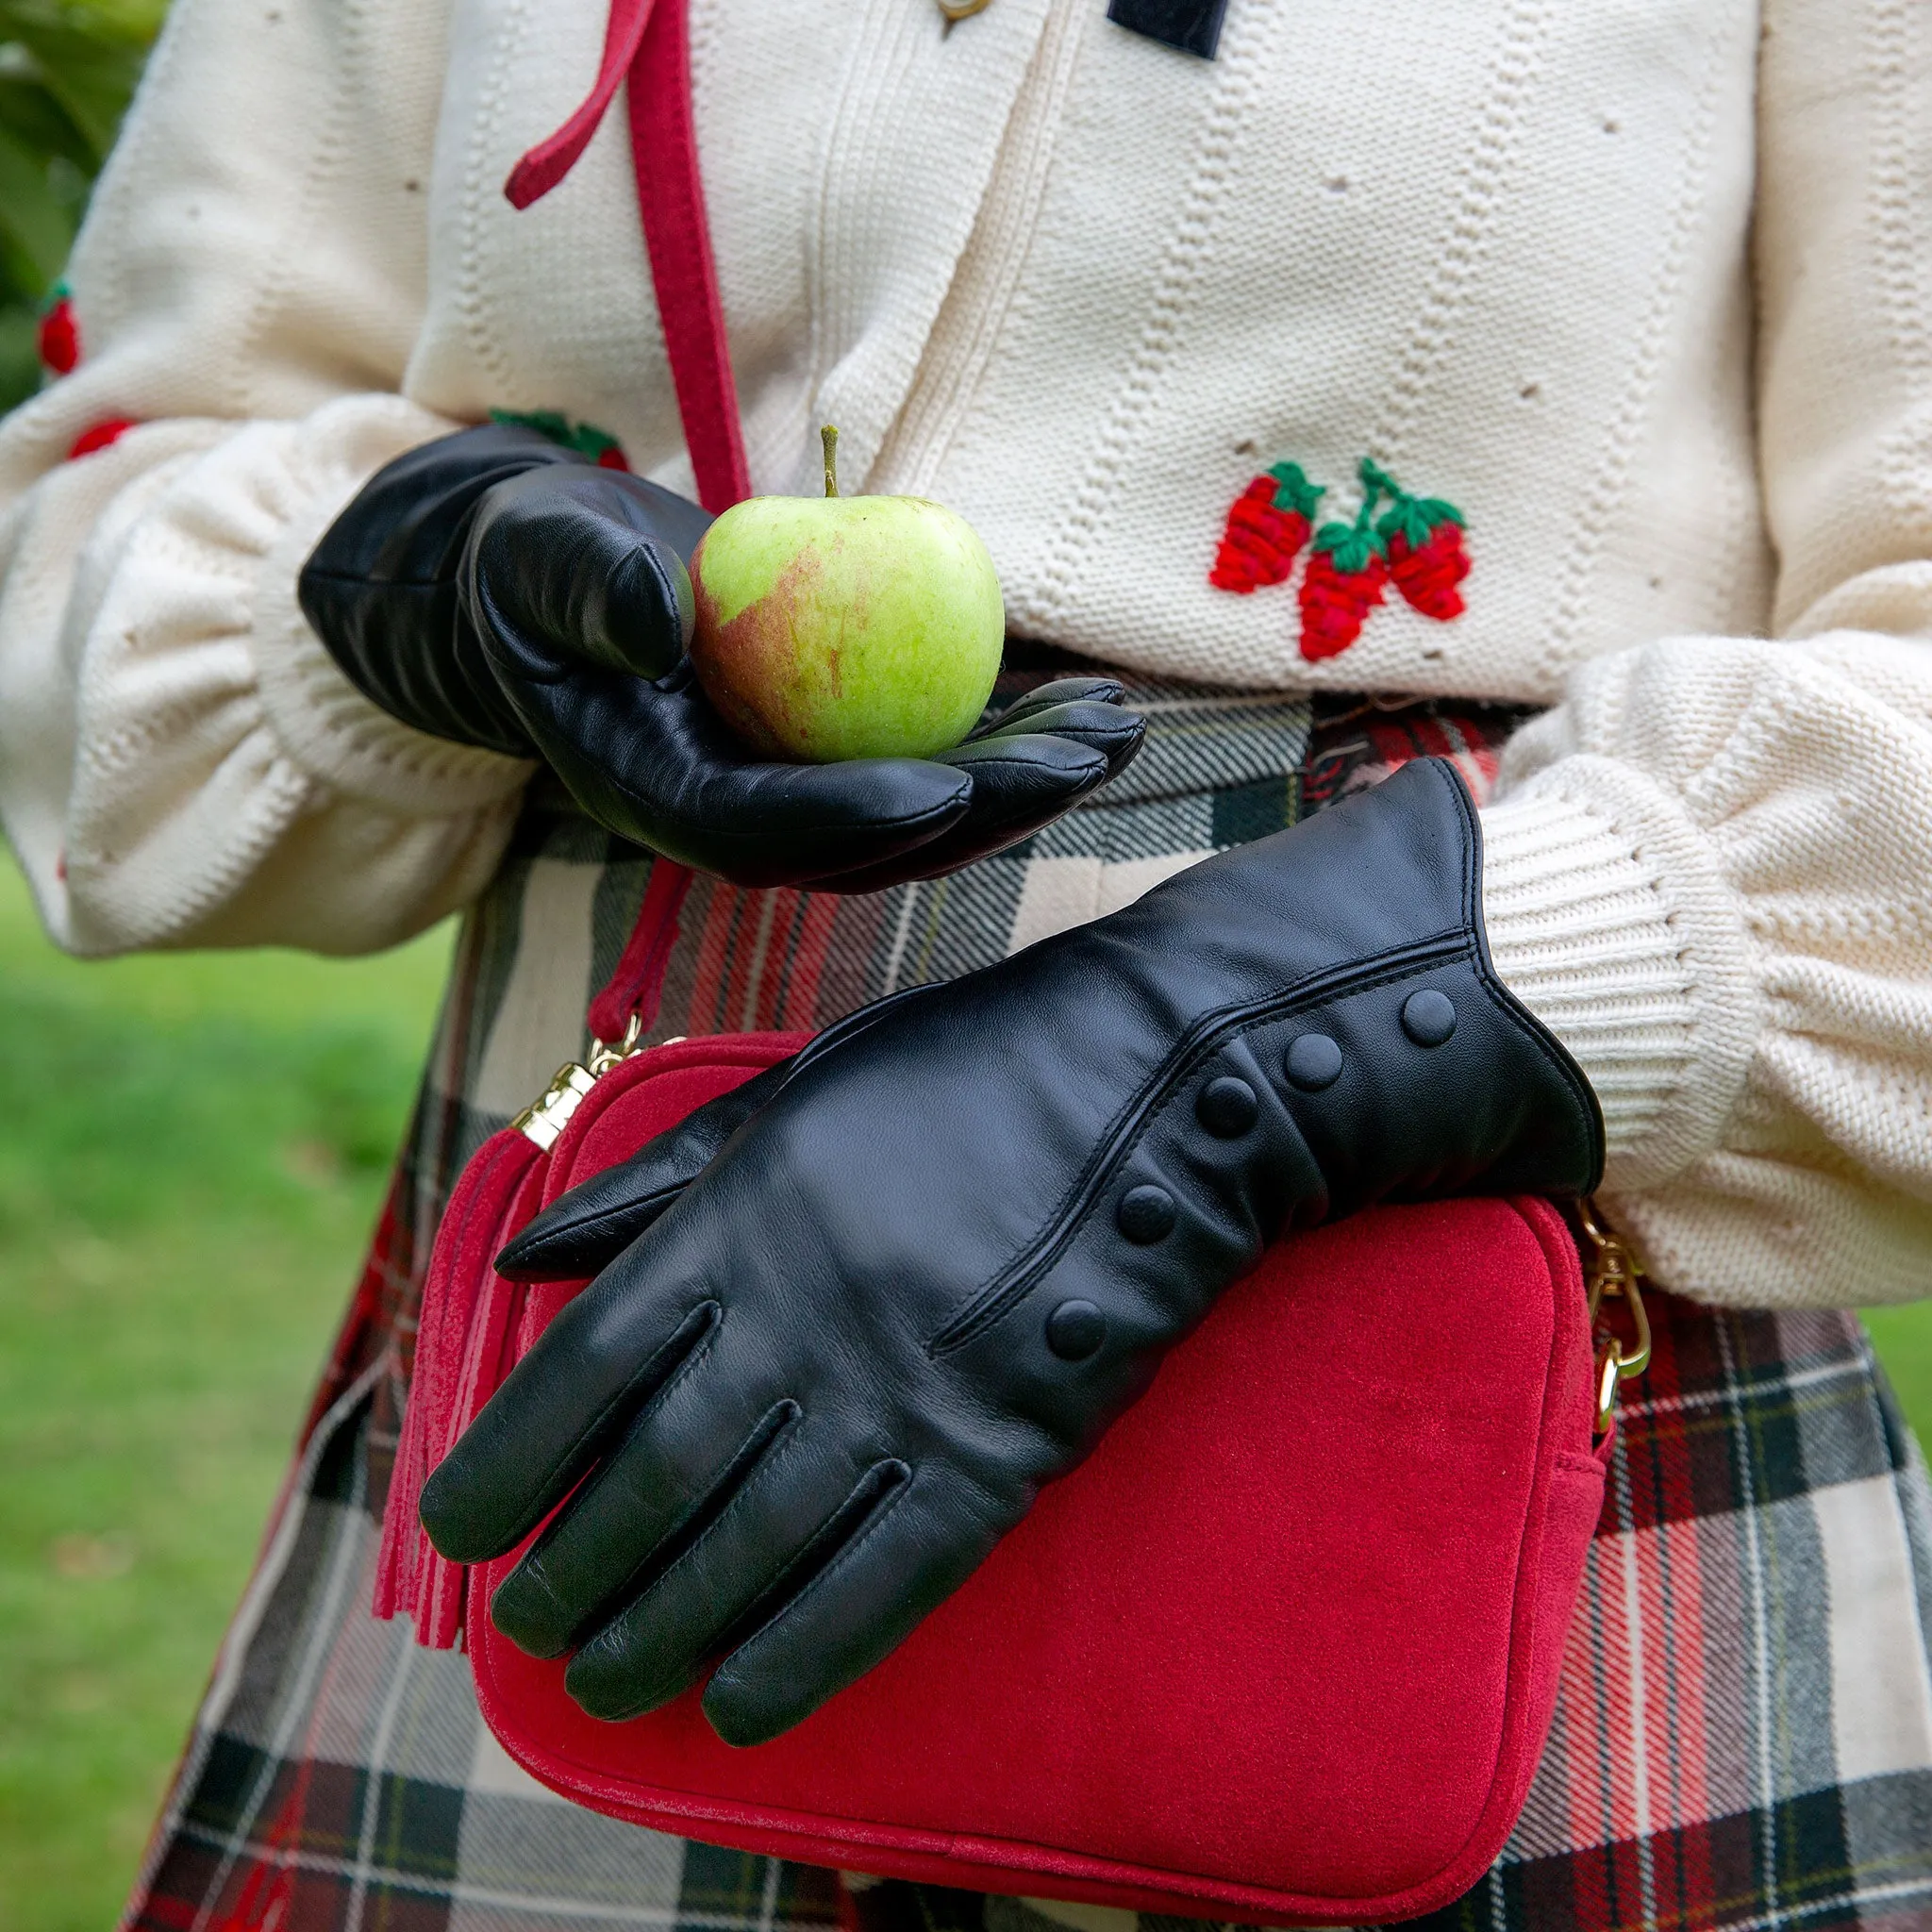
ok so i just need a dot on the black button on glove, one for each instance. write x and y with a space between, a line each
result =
913 1273
495 589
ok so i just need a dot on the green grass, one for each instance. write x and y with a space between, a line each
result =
191 1152
1904 1337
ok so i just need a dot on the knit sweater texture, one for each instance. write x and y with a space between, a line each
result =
1629 306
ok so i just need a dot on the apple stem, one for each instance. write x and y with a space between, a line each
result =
829 436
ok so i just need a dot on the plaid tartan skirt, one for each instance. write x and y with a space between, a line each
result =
1744 1731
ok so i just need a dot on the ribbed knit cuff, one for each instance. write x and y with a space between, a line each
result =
1581 931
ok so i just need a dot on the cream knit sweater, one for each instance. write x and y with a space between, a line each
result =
1643 286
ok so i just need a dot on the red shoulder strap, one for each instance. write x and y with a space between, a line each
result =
647 45
671 200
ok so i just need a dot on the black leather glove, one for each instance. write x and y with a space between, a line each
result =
919 1271
496 590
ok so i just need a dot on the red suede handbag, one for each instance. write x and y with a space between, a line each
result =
1284 1647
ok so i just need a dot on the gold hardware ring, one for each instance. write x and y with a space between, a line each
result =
1615 1272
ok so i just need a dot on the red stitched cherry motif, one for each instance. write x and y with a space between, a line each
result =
102 436
58 338
1342 583
1427 559
1267 526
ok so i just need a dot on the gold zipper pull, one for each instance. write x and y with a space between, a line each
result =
547 1116
1614 1273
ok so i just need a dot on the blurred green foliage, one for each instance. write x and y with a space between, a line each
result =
67 72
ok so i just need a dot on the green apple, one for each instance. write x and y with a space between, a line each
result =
846 626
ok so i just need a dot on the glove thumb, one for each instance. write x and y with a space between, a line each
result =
582 567
580 1233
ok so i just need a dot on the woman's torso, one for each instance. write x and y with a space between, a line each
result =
1083 288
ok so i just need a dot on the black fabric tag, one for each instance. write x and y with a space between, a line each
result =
1192 26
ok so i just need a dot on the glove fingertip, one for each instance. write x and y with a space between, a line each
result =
1034 755
1124 749
610 1688
526 1611
1066 691
526 1258
743 1719
449 1520
643 619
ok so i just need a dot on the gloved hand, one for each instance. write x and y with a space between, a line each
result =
917 1271
496 590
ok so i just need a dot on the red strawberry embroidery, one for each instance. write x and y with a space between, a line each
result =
1267 526
1342 585
59 341
1427 575
1417 542
599 445
1428 560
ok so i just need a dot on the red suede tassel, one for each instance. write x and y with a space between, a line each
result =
467 1328
458 1312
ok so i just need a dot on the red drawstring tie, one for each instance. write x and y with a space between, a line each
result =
549 161
646 44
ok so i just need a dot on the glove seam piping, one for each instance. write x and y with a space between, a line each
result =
617 1404
780 1441
534 1554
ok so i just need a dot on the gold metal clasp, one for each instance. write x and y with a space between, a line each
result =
1614 1273
603 1057
547 1116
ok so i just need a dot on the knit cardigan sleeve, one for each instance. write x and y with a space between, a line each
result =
1710 869
180 763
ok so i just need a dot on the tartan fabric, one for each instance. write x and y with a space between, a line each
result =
1744 1737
